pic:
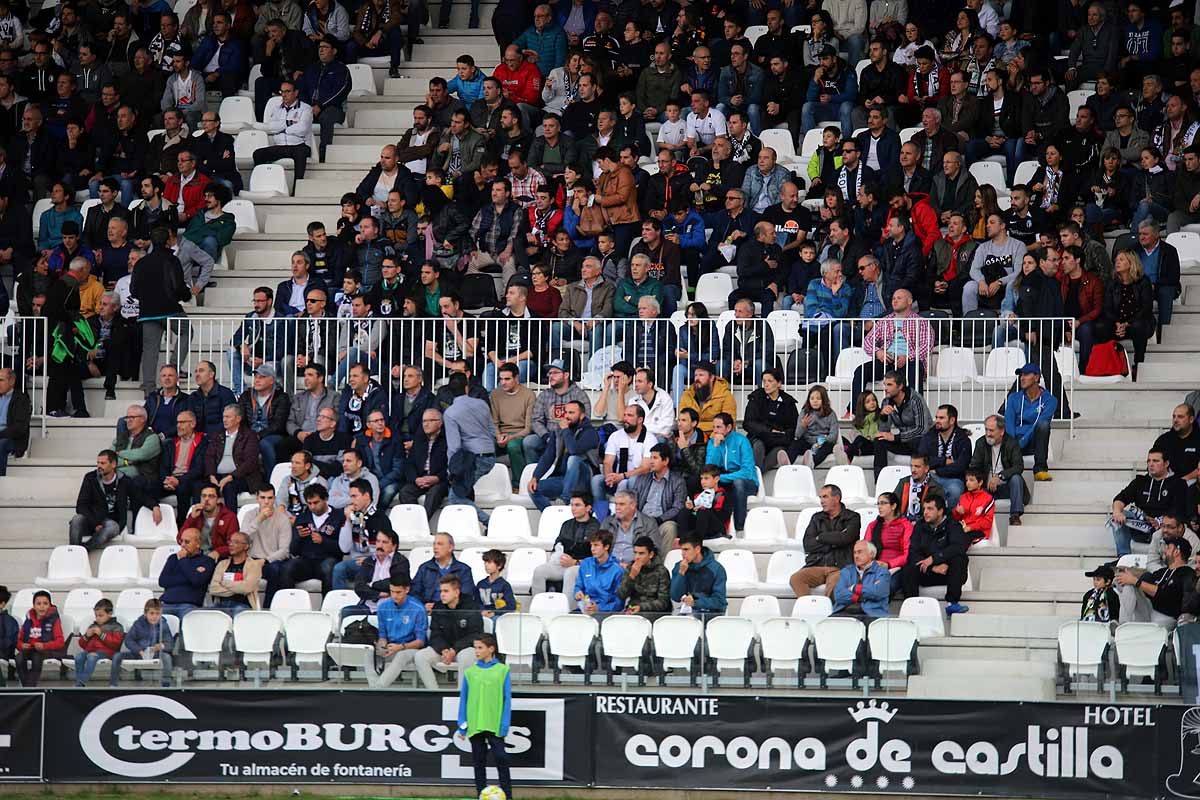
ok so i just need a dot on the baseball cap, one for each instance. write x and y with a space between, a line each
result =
264 371
1103 571
1030 368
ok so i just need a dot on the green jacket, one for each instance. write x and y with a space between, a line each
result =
473 146
625 302
138 455
650 590
222 228
655 89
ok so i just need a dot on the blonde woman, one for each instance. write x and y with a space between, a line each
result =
1128 311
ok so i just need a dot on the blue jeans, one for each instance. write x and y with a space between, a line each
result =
490 376
344 574
387 493
671 297
534 446
163 657
954 489
5 448
210 245
179 609
565 331
600 493
814 112
574 478
1095 215
392 46
1013 150
230 606
681 378
330 116
85 665
463 494
1147 210
1166 301
1014 491
266 449
740 490
239 369
1122 537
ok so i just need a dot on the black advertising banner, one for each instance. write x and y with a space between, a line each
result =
884 746
21 736
299 737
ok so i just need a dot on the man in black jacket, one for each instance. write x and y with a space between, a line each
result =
880 84
328 258
213 150
158 286
1158 596
102 506
284 55
15 227
570 547
948 448
14 427
453 625
937 555
1151 495
374 574
425 469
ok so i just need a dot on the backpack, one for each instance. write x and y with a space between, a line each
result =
360 631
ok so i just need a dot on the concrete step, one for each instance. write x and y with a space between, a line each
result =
1059 536
948 667
947 687
1026 626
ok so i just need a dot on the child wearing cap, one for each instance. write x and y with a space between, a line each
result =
1101 604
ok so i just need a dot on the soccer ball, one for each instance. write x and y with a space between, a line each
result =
492 793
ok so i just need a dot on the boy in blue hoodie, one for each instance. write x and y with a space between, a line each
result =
598 577
149 638
698 580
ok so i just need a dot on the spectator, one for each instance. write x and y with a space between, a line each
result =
289 127
863 586
403 631
185 576
314 549
214 521
994 266
659 83
470 443
599 576
891 533
454 623
976 507
937 555
550 407
1027 415
832 90
359 535
269 528
101 639
950 264
1157 596
708 510
267 407
1181 444
748 346
570 546
363 395
646 587
185 90
353 469
148 638
426 580
1160 263
512 417
771 417
232 462
212 230
698 580
947 449
235 578
15 413
371 580
1137 510
903 420
383 456
998 456
816 430
425 468
1185 195
661 494
210 399
222 55
325 85
495 593
566 463
918 487
733 453
40 637
102 506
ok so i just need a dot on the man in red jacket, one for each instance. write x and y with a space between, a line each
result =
924 219
520 81
214 521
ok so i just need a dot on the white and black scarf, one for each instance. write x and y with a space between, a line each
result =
367 26
843 184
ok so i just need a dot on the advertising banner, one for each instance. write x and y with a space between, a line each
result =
21 737
300 737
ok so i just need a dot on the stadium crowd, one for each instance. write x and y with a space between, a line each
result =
531 180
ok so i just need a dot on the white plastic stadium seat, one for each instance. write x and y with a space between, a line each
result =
766 525
204 633
675 640
518 571
461 522
306 635
926 614
495 488
802 521
1140 648
571 637
891 641
286 601
906 134
752 33
671 558
741 574
333 603
410 522
1081 648
760 607
22 601
266 181
518 636
254 637
955 366
158 560
119 567
780 568
68 567
795 488
812 607
80 602
783 641
781 142
1001 366
473 558
837 640
509 523
810 144
550 523
729 642
713 291
785 325
1076 100
419 555
236 113
362 80
1025 172
1188 245
623 639
850 359
247 222
244 145
853 483
547 605
145 532
889 478
989 172
521 497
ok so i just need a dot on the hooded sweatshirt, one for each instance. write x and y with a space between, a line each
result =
705 582
47 630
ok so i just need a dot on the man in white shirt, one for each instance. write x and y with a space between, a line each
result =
704 125
290 126
624 456
656 403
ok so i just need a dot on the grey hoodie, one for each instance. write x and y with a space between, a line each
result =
822 427
549 406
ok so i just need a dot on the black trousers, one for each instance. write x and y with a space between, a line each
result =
64 378
912 579
434 497
480 744
298 153
882 449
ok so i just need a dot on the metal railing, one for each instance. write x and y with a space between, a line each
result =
24 348
970 363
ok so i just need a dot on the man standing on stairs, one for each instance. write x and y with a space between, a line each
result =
66 350
159 286
1027 415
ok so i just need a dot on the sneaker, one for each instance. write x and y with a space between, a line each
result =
109 394
1043 475
1014 519
60 414
473 23
782 459
808 459
956 608
81 415
394 72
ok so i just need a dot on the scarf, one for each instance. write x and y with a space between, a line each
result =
367 26
843 184
932 81
1053 178
952 269
1095 608
741 149
358 525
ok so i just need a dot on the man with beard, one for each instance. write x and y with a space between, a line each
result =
708 396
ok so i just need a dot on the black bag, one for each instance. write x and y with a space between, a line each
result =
360 631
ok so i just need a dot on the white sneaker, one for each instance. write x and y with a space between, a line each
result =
782 459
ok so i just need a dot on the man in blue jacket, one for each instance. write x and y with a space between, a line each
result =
733 453
210 398
185 576
566 465
403 630
886 145
598 577
229 53
948 448
740 86
698 580
544 43
832 92
864 587
1027 415
325 86
443 563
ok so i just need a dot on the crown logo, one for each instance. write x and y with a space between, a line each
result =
872 710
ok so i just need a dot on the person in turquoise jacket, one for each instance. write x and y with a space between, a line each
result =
545 38
698 580
1027 415
733 453
468 83
598 577
485 712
